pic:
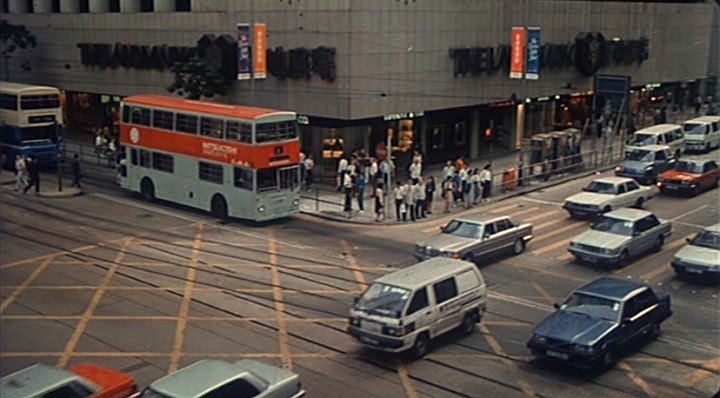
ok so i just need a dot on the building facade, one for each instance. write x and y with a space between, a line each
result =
432 74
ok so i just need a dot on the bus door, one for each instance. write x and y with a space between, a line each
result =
289 177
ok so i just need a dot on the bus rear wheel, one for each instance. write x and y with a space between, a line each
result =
147 189
218 207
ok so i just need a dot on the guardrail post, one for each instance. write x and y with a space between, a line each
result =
317 199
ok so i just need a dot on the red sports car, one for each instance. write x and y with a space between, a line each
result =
690 176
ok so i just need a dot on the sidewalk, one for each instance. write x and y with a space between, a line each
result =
48 185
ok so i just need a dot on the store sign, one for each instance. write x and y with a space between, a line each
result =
401 116
588 53
302 119
532 57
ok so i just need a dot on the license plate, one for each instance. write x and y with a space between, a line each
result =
581 213
368 340
372 327
693 270
556 354
589 259
671 187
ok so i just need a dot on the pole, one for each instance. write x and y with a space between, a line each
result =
58 157
390 168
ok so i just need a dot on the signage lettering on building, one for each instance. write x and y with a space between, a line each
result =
589 52
405 115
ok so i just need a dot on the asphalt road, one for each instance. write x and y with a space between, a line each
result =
147 288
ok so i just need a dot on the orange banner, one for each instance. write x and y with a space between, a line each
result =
517 57
260 58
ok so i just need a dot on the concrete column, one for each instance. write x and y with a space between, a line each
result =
475 135
42 6
99 6
17 6
69 6
129 5
164 5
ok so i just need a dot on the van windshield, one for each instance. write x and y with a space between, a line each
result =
693 128
642 139
384 300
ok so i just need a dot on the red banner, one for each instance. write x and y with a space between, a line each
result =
260 56
517 57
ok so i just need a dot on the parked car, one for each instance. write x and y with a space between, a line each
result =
659 134
405 309
599 321
82 380
701 256
214 378
606 194
620 235
690 176
645 164
702 133
472 237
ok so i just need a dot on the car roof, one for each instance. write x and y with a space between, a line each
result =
651 148
658 129
618 289
34 381
614 180
626 213
704 119
424 272
198 378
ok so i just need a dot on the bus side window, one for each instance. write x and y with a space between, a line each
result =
134 157
211 127
186 123
145 159
243 178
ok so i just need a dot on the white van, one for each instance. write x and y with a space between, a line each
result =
405 309
660 134
702 133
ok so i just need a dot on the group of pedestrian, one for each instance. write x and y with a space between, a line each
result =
106 145
27 174
463 186
414 199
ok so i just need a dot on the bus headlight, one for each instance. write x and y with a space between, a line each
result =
261 209
296 203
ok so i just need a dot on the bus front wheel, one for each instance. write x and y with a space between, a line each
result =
147 189
218 207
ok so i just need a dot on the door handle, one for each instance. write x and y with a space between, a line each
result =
428 313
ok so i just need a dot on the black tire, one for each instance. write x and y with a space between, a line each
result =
608 359
624 258
147 189
606 209
420 348
677 154
707 148
659 244
518 246
654 331
468 324
639 203
218 207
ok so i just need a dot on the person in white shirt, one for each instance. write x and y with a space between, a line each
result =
415 170
486 180
399 196
448 170
341 170
409 201
464 186
309 171
420 196
373 174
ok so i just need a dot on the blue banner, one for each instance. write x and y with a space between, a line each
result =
244 51
532 59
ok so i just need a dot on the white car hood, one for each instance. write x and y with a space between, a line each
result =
699 255
600 239
590 198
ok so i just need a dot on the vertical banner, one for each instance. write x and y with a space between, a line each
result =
244 49
532 60
260 44
517 55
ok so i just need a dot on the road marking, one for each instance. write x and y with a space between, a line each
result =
548 214
549 248
637 379
279 303
689 212
528 210
544 293
526 388
565 257
558 231
545 202
185 304
405 379
90 310
113 318
695 378
25 284
502 209
666 248
357 272
197 289
553 222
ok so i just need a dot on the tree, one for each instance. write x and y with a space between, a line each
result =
14 37
194 79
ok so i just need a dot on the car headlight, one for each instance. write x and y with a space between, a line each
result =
355 322
540 340
261 209
607 251
574 244
296 202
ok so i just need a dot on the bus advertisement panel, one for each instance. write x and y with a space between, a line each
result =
31 123
234 161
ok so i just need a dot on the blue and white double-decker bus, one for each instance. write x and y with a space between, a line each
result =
32 122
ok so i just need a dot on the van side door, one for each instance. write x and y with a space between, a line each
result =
449 310
420 314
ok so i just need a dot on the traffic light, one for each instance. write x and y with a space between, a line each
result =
488 134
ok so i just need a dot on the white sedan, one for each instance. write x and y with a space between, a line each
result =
606 194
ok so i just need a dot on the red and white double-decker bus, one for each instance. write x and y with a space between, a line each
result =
231 160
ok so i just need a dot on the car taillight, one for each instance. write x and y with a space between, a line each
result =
456 256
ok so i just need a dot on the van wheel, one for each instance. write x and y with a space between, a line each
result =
218 207
659 244
639 203
147 189
468 325
707 147
519 246
420 348
606 209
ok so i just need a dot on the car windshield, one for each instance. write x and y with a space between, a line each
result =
463 229
596 307
614 226
692 126
641 155
689 167
150 393
708 239
382 299
642 139
600 187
